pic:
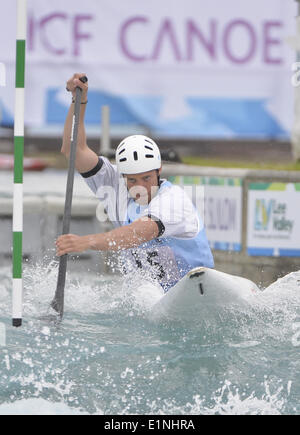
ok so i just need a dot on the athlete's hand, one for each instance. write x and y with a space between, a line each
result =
68 243
74 82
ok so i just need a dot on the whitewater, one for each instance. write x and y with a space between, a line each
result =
109 356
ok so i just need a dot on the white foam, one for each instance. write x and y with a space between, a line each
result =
144 294
38 407
288 282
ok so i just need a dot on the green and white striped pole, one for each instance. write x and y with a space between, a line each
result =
17 294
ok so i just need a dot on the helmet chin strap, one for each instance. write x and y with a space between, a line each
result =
158 178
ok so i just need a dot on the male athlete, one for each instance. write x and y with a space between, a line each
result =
157 228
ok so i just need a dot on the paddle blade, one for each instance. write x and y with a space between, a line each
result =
58 301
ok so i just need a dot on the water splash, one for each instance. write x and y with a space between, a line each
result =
229 400
108 357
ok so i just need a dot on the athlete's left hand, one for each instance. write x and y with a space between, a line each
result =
68 243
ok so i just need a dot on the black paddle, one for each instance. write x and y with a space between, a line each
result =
58 302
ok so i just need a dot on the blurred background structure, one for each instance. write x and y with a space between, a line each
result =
216 87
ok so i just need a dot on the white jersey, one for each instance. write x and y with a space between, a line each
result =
181 243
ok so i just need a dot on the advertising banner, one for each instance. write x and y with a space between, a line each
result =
273 224
190 69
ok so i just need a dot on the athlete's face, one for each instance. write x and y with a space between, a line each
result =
143 187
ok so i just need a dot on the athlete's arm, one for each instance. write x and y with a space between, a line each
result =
128 236
86 159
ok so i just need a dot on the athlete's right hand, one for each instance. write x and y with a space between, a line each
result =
74 82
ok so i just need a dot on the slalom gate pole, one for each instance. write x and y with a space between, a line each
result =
17 292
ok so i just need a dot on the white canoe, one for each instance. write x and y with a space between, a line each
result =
199 290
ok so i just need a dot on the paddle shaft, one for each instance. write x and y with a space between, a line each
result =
58 301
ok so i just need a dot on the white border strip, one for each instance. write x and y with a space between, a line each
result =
18 208
17 302
21 19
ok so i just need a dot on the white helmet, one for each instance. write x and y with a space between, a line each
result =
137 154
